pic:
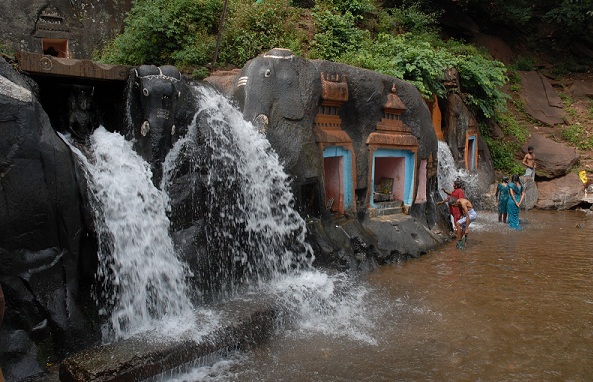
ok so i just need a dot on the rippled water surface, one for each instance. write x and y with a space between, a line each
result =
512 306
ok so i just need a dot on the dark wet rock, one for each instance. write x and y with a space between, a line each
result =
19 355
363 245
44 236
400 237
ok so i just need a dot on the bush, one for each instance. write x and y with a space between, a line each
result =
335 35
577 136
423 59
253 28
511 127
502 153
160 32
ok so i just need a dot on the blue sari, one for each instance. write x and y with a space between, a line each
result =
503 198
512 209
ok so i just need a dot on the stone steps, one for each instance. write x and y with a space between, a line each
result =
386 208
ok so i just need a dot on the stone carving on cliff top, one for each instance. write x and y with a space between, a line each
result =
50 20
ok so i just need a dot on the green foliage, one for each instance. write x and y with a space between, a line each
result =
200 73
502 152
523 63
166 32
423 59
356 8
413 19
577 136
184 32
503 159
253 28
514 77
5 50
407 45
511 127
571 14
482 80
336 34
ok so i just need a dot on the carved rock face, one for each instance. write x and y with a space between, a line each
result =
159 96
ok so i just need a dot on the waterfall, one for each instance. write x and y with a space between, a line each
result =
252 235
253 231
262 231
143 281
448 172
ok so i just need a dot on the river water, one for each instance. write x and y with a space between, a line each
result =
512 306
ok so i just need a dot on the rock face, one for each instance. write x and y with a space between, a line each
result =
81 27
542 101
44 244
552 159
562 193
312 110
286 91
460 130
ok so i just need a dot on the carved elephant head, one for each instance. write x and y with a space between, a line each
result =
159 92
270 85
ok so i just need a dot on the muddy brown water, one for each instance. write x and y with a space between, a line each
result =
512 306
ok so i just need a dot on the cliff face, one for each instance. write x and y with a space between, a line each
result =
75 29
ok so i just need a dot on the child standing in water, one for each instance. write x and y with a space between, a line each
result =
502 194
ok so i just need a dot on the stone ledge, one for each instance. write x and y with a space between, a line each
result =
244 324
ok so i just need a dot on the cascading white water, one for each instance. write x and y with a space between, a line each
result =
447 172
143 280
254 235
250 201
252 217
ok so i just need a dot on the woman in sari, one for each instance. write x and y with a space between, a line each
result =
516 196
502 194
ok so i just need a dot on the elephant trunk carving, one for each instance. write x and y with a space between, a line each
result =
159 95
269 89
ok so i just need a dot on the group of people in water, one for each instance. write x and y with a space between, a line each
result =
509 194
462 212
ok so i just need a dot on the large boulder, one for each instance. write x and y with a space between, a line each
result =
542 101
531 192
552 159
561 193
44 236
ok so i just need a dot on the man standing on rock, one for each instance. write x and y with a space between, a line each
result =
529 163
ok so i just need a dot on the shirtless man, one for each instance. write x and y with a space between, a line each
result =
469 215
456 193
529 163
